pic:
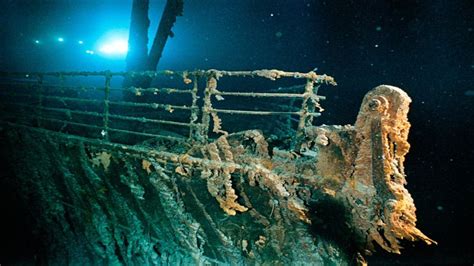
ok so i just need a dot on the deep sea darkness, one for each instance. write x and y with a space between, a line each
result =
424 47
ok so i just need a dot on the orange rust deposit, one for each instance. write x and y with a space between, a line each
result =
361 166
218 187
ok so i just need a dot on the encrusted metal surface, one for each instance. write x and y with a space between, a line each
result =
212 194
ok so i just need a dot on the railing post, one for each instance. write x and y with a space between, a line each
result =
307 110
194 129
105 131
305 118
211 86
40 99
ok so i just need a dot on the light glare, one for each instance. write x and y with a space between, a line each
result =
113 44
60 39
115 47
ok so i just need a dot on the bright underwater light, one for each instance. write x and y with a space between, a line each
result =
113 44
115 47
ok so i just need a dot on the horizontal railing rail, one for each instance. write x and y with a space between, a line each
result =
68 101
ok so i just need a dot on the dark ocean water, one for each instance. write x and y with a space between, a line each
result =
425 47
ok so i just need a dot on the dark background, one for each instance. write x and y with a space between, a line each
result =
425 47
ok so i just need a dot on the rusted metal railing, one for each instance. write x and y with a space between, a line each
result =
56 106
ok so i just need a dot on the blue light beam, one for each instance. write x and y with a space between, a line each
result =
113 44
